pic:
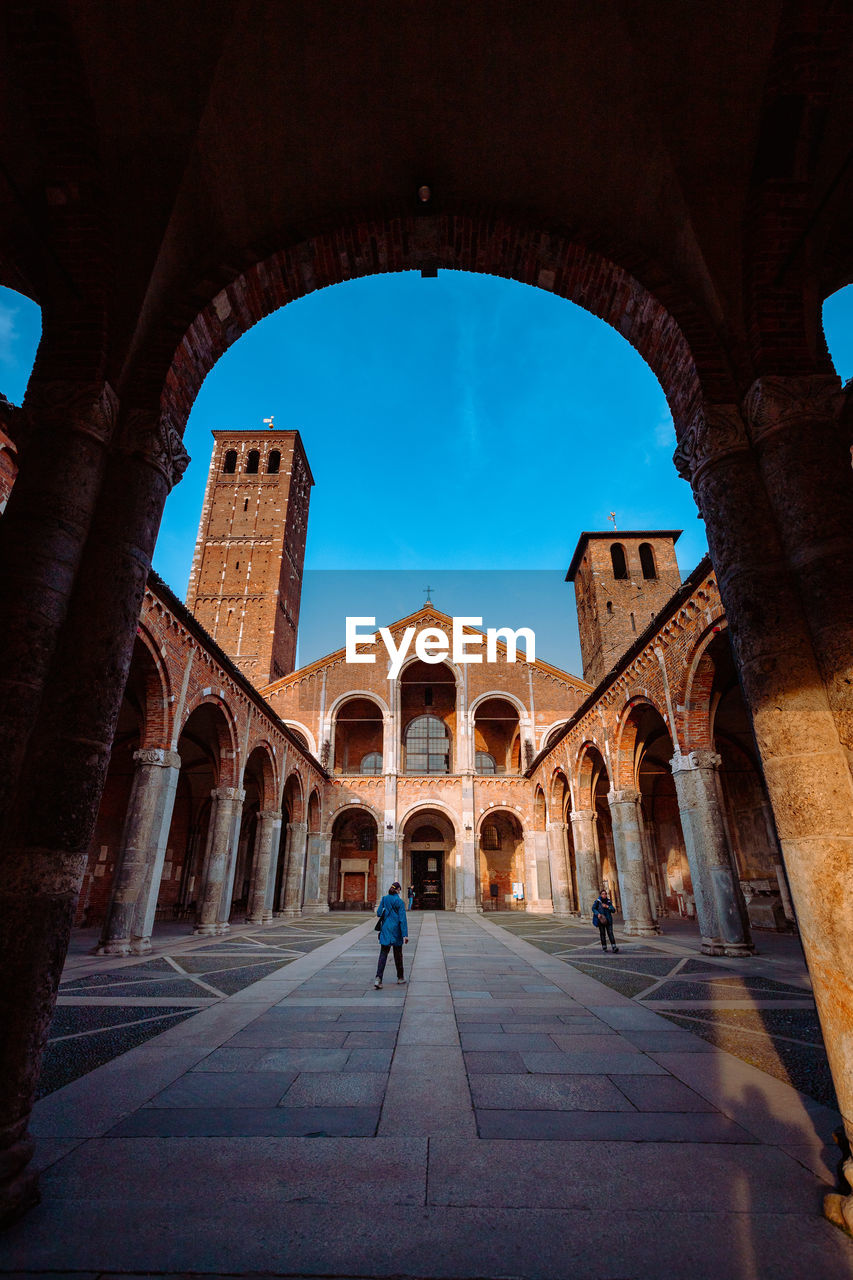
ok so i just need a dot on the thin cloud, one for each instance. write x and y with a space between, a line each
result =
664 433
8 334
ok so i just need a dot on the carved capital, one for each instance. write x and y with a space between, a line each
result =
269 815
715 431
59 406
627 795
154 437
578 816
297 828
557 826
228 793
776 403
158 756
694 760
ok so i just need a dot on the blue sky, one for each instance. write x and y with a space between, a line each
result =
465 426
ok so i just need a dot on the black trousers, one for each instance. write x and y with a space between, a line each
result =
609 927
383 959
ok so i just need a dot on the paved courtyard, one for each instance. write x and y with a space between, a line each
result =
522 1108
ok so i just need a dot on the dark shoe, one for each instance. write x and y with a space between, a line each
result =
604 949
614 948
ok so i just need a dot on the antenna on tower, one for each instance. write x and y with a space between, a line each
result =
613 518
268 422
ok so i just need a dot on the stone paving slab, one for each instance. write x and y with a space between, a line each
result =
222 1239
547 1093
609 1126
608 1062
557 1175
226 1089
681 1148
240 1122
336 1089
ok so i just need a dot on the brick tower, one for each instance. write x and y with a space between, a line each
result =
246 579
622 580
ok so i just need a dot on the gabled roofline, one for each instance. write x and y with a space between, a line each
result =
426 611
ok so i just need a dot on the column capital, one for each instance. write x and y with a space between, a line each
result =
228 793
153 436
158 756
84 409
582 815
269 815
557 826
701 759
298 827
715 431
776 403
627 795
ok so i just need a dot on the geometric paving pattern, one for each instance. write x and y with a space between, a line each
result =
769 1022
100 1015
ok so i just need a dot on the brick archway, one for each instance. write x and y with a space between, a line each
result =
638 300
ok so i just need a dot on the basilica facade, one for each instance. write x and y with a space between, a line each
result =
239 791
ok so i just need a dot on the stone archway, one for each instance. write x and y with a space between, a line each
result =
429 847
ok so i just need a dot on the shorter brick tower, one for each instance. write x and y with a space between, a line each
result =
622 580
246 579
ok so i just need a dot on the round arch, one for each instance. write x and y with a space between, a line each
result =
352 806
626 737
304 732
230 766
293 795
694 693
505 696
439 805
261 751
369 694
626 290
158 693
586 771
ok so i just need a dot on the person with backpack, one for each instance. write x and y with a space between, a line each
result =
393 932
602 917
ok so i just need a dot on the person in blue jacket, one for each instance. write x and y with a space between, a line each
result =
602 916
394 932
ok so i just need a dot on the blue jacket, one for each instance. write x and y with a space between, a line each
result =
602 912
394 927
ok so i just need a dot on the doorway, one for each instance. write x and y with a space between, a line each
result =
428 878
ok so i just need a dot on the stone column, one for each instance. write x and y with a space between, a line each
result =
233 857
218 859
802 441
631 864
69 665
269 827
279 851
136 883
805 764
319 857
720 907
296 845
561 884
586 859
